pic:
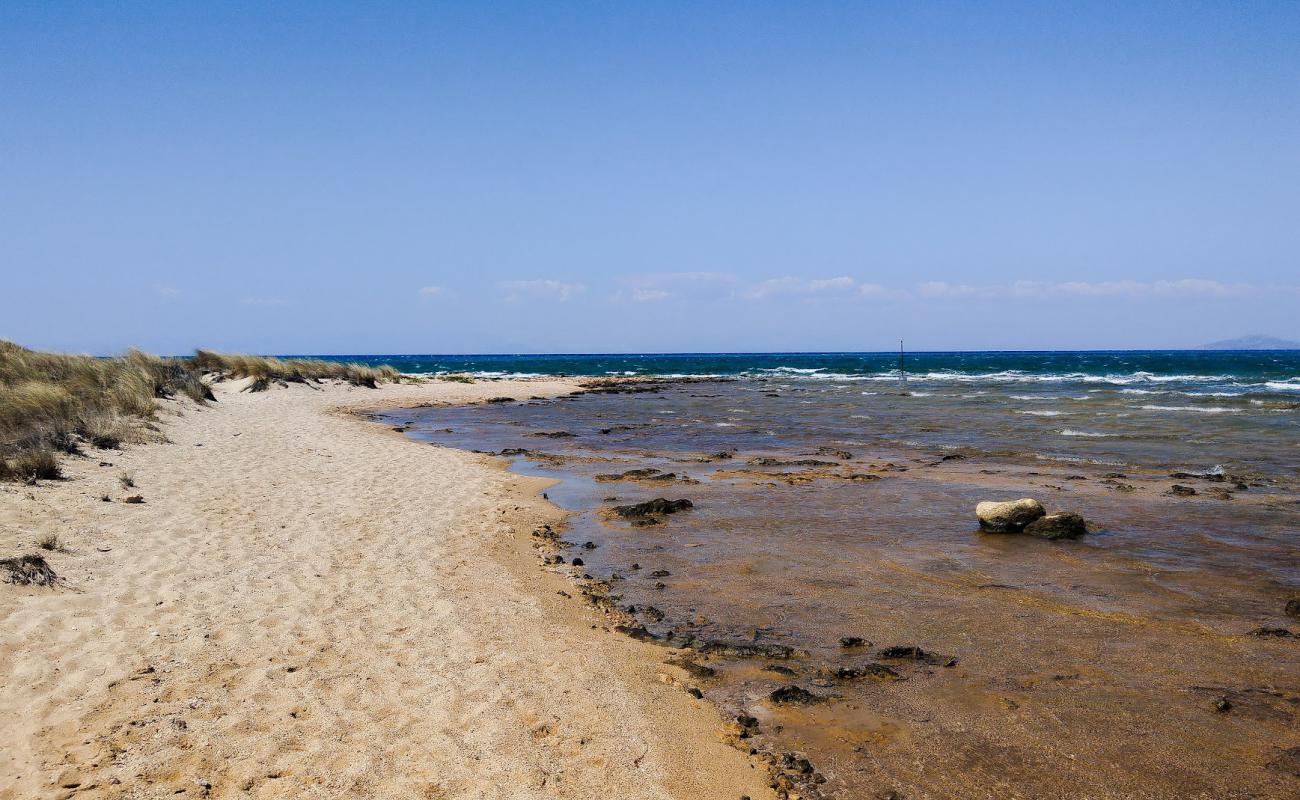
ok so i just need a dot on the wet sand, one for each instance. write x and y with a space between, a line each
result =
309 605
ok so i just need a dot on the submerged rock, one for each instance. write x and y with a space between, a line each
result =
797 462
1058 526
659 505
1008 517
794 694
878 672
1293 607
743 649
631 474
1181 491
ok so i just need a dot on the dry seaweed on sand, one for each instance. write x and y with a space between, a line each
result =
28 570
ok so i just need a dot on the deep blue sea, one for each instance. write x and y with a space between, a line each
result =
1228 371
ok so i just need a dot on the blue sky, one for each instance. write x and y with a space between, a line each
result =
497 177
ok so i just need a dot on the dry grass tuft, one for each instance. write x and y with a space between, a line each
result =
28 570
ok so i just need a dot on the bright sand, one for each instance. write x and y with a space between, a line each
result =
310 605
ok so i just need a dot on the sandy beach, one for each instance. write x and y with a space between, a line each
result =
307 604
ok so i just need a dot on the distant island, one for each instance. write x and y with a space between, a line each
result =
1253 342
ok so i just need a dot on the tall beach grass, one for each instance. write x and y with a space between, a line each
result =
54 403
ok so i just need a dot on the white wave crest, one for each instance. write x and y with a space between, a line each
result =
1196 409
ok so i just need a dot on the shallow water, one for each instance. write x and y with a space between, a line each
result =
1085 668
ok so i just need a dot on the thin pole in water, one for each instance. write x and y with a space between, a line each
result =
902 370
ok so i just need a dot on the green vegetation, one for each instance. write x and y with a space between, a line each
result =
53 403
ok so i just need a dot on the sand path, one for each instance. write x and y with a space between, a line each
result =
309 605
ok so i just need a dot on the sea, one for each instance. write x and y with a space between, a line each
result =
862 636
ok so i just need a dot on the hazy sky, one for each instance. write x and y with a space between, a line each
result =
492 177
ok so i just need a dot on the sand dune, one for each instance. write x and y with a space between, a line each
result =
310 605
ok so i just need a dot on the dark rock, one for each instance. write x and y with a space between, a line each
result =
588 545
553 434
1058 526
874 671
660 573
657 506
800 462
636 632
743 649
649 612
693 668
910 653
134 499
794 694
577 562
500 399
696 693
778 669
1293 607
1274 633
1222 704
647 522
852 641
843 455
631 474
1181 491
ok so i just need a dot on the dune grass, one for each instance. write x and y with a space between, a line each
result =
265 369
56 403
53 403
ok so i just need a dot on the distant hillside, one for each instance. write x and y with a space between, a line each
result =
1253 342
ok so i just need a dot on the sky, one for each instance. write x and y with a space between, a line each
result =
647 177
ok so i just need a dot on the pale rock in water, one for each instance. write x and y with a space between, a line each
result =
1008 517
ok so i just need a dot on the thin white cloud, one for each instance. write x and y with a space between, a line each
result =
541 288
660 286
807 287
1124 289
431 291
945 289
650 295
168 292
263 302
